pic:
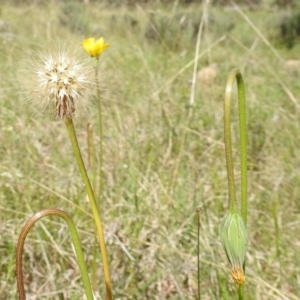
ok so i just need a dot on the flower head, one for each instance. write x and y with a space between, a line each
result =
59 79
94 48
234 240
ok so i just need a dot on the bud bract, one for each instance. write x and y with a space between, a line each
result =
234 240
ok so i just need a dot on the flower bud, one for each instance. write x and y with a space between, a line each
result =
234 239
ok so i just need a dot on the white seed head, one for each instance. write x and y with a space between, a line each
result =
59 80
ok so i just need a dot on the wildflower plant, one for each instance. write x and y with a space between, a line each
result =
233 233
61 81
94 48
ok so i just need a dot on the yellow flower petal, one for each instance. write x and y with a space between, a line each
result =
94 48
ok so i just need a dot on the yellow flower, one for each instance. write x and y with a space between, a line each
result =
94 48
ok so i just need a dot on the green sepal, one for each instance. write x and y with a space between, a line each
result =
234 238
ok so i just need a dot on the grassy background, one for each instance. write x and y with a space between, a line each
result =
159 166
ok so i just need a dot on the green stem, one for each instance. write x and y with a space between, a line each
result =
241 291
91 153
76 243
198 251
236 74
92 165
100 190
93 204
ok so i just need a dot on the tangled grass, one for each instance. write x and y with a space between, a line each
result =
159 166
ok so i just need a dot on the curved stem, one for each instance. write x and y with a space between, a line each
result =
93 204
236 74
76 243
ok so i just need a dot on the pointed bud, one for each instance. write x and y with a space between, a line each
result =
234 240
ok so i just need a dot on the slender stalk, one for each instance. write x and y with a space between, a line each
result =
198 251
92 165
241 292
76 243
197 50
190 107
99 104
99 191
276 225
91 153
93 204
236 75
